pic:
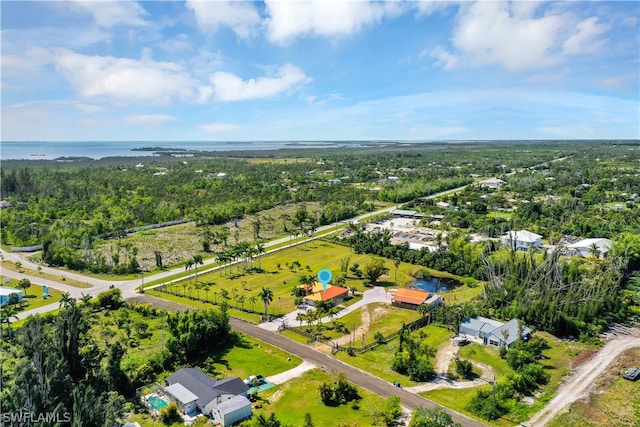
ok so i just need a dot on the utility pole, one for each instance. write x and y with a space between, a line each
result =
494 393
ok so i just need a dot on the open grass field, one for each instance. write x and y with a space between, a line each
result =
293 399
278 273
613 401
251 317
33 297
9 265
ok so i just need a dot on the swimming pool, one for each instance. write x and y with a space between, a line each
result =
157 403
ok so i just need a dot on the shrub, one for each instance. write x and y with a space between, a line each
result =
464 368
170 414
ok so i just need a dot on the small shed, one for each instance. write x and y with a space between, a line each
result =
231 411
5 291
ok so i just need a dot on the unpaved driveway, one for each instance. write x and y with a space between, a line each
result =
445 354
584 377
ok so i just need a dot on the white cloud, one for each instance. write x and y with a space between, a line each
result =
325 18
176 44
584 40
124 80
218 127
517 36
88 108
148 120
443 58
108 14
240 16
229 87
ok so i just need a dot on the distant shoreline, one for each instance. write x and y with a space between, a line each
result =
126 152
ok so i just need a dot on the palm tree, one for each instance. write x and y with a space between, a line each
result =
66 300
7 313
284 218
253 300
266 295
206 288
241 299
594 250
221 259
187 266
423 309
300 317
396 264
85 298
260 250
197 259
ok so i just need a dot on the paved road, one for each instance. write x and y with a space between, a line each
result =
363 379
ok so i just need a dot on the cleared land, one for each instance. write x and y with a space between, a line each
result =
180 242
612 401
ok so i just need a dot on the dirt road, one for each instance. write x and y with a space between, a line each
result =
584 377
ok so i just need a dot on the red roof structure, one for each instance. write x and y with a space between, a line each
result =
328 295
410 296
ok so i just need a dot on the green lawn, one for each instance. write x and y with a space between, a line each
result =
487 356
251 317
33 297
9 265
293 399
277 275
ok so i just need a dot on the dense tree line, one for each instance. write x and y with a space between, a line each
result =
454 253
66 206
54 364
564 296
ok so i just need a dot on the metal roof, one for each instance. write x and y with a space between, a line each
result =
181 394
229 406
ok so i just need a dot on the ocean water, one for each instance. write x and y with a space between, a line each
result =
98 149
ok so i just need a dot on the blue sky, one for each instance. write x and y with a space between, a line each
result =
320 70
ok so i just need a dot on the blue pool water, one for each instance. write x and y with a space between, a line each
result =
157 403
263 386
433 284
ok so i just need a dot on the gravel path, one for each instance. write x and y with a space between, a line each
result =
584 377
291 373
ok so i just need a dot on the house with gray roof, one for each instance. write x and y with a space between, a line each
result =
492 332
194 391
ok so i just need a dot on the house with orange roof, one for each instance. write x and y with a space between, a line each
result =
413 298
316 293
